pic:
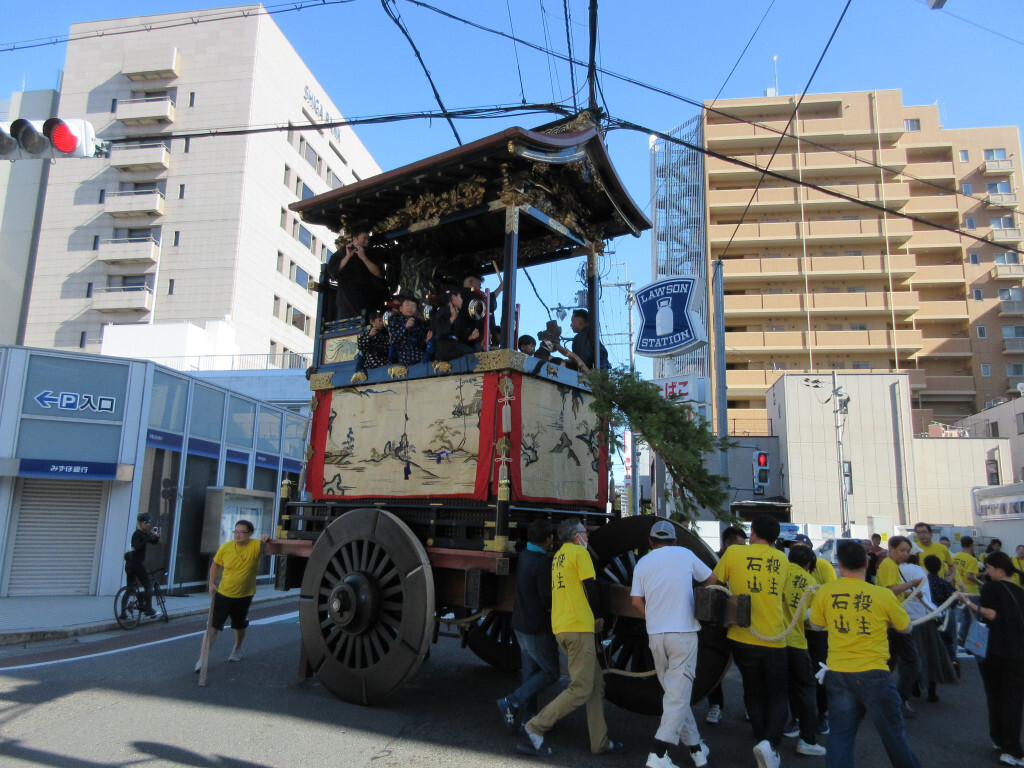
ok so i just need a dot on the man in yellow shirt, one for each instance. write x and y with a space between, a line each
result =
857 616
902 647
236 562
760 570
967 568
802 684
817 642
923 532
574 600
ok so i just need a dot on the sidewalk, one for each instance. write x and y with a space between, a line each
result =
29 619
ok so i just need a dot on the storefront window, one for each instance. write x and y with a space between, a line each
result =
207 413
159 493
191 566
168 402
241 422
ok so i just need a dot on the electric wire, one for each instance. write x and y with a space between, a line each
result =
568 44
789 123
515 49
977 25
552 71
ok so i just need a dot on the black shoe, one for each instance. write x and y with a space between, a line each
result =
615 748
526 747
151 613
907 710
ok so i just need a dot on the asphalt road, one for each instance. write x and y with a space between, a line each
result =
140 706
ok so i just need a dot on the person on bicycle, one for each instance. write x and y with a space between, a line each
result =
135 561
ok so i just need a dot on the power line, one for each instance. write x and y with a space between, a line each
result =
515 49
568 45
552 72
979 26
745 47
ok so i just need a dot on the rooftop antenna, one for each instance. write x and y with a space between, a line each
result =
775 62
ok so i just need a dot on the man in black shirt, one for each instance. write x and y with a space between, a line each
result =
135 560
531 621
582 356
360 278
455 334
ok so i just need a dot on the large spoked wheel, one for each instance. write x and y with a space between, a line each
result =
126 608
366 608
493 640
618 547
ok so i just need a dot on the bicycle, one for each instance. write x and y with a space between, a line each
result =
126 601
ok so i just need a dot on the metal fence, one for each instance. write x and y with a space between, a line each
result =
251 362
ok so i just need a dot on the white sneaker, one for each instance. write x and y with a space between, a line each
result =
1007 759
236 654
765 756
714 714
199 665
700 757
653 761
803 748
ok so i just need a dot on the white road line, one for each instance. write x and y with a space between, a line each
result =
269 620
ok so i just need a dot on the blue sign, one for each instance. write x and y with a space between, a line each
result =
78 470
668 326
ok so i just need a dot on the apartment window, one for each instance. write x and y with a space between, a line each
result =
334 180
191 98
834 327
327 254
967 189
969 223
170 287
277 306
1013 331
861 365
188 144
304 236
1001 222
998 188
299 319
995 154
284 219
181 191
1007 258
982 332
301 277
832 289
113 106
88 290
1010 294
1017 369
177 237
986 372
858 326
102 196
310 154
287 176
854 253
830 253
81 340
978 296
280 262
303 191
837 365
992 470
912 124
95 242
855 289
964 155
974 258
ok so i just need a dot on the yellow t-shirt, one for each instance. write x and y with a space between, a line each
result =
1018 563
888 575
941 552
240 564
796 584
856 616
824 572
966 563
760 571
570 611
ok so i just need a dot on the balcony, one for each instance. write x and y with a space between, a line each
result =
860 304
998 167
811 164
939 274
1013 383
140 202
846 233
941 170
933 205
945 348
1011 308
941 311
1003 200
1006 235
818 267
131 299
152 111
781 342
1013 346
741 385
949 388
790 198
1013 272
129 250
925 240
147 64
140 157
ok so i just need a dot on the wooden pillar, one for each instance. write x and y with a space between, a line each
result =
508 300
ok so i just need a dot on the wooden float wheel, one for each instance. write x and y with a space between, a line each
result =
366 607
492 639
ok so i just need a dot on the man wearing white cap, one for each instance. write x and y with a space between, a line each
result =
662 592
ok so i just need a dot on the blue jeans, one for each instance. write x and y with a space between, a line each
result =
963 618
540 669
851 695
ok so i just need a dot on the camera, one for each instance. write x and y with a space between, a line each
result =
155 529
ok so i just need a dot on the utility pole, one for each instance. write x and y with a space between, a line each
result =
634 475
841 401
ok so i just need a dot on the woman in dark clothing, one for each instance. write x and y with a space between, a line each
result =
941 591
455 334
1002 669
374 342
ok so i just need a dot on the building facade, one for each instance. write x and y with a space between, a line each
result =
814 283
176 225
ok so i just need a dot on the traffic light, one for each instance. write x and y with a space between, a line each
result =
34 139
761 468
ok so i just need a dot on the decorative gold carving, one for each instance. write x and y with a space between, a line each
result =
321 381
581 122
496 360
497 544
430 205
442 366
358 377
314 403
502 446
552 371
310 452
398 371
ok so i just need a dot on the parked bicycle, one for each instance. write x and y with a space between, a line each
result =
127 601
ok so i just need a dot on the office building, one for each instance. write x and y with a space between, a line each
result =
180 230
816 283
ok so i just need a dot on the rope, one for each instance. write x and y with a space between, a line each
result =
798 613
466 621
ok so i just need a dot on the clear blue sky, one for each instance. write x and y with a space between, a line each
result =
368 68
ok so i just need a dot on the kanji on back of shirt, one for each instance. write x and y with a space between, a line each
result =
966 563
857 616
570 611
760 571
798 582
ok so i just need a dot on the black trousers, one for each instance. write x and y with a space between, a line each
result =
817 647
1004 693
765 689
905 657
802 702
141 575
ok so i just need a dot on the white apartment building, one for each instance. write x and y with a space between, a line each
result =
179 227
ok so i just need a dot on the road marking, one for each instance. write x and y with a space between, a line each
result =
269 620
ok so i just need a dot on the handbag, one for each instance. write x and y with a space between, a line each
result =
977 639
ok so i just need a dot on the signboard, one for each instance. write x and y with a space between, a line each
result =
668 325
72 388
685 388
78 470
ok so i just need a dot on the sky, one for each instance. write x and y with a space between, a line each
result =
967 58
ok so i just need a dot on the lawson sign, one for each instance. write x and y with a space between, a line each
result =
668 323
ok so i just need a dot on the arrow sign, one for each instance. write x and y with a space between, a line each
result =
47 398
668 325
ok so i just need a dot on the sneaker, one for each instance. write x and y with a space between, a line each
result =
236 654
714 714
907 710
1007 759
803 748
823 728
792 728
699 754
527 747
151 613
199 665
653 761
614 748
765 755
508 713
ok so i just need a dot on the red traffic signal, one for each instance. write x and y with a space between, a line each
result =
761 470
761 458
33 139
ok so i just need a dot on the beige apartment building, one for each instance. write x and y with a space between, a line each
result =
814 283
